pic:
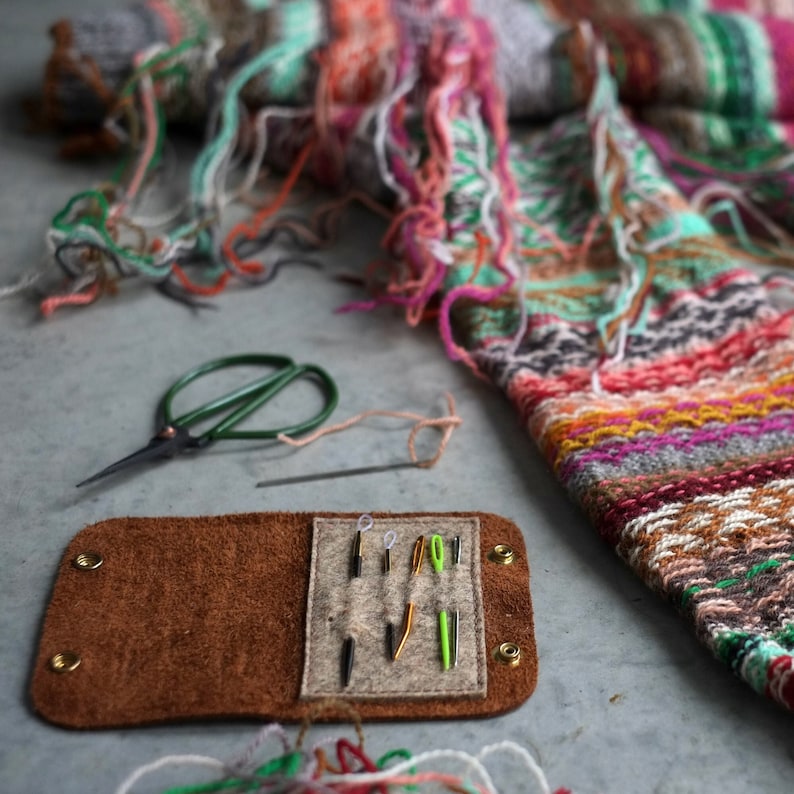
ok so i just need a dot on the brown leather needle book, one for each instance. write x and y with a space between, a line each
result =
263 615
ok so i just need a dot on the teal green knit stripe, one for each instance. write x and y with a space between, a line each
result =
764 96
716 78
722 584
302 24
300 32
749 656
208 160
661 6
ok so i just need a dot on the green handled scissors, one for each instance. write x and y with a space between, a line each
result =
174 436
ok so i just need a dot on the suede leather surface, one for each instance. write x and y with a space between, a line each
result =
203 618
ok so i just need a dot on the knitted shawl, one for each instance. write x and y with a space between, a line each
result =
587 195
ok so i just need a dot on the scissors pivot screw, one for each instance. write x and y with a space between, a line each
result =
169 431
87 561
65 662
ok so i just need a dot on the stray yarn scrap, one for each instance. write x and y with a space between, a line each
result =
598 268
445 424
350 769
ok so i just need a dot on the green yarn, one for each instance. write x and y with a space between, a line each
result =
399 753
723 583
302 24
286 765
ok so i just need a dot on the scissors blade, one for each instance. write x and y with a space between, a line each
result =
170 441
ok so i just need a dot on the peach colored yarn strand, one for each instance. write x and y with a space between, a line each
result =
446 424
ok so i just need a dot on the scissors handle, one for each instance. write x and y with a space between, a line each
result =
250 397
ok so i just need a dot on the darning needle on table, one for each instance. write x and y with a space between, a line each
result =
332 475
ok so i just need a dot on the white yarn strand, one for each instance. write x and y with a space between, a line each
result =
203 761
473 767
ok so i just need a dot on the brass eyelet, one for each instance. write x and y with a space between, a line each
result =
508 653
65 662
87 561
502 554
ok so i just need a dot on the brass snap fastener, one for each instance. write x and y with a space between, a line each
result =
65 662
507 653
502 554
87 561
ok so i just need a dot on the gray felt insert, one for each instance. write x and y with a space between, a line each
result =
340 605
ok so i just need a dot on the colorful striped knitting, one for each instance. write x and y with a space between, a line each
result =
597 268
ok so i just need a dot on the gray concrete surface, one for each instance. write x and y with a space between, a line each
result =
627 701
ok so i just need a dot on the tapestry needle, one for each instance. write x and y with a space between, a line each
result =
389 539
332 475
357 555
408 617
456 547
408 620
390 640
437 558
455 622
443 638
418 555
348 656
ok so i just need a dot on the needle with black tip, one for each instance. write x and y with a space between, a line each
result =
455 628
389 540
390 646
348 657
357 558
456 554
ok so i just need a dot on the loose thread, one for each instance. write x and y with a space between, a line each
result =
151 141
253 171
353 772
245 758
446 424
249 230
82 298
203 761
325 706
23 283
